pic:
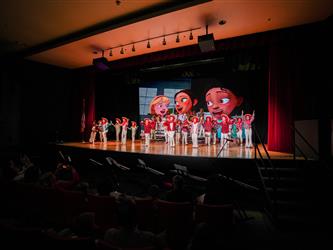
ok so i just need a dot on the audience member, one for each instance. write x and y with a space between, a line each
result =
218 191
178 193
127 234
84 226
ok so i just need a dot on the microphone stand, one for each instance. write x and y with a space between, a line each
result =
225 142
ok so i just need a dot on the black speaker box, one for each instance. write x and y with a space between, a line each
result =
101 63
206 42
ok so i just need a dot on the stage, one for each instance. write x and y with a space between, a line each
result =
160 148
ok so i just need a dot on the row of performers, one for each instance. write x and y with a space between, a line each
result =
175 130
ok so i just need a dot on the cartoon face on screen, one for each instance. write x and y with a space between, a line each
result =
221 101
184 102
159 105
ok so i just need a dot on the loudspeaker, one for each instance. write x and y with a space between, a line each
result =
206 42
101 63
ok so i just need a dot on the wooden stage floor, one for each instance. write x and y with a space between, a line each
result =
160 148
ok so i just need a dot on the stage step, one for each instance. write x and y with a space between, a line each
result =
285 182
287 193
281 172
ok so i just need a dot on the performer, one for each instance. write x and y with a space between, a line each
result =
208 126
104 129
153 127
201 126
133 128
178 131
99 129
117 127
195 131
214 130
171 128
93 132
239 127
185 129
165 130
247 122
124 126
225 130
147 130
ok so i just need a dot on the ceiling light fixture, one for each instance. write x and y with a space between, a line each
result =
177 38
122 50
191 36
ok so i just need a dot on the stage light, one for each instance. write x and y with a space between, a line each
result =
191 36
122 50
177 38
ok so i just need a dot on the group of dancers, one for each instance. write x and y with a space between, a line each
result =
184 124
178 131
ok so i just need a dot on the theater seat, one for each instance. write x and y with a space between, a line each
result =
103 245
176 218
104 208
219 216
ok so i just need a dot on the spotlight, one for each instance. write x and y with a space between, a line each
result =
191 36
122 50
133 48
148 45
110 53
164 41
177 39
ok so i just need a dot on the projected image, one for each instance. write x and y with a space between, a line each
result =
159 106
185 101
157 98
221 101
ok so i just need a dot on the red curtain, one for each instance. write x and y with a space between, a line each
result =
282 75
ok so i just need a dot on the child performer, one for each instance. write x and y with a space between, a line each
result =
104 129
133 128
147 130
171 128
214 130
208 125
195 131
178 131
117 127
185 129
239 127
225 130
153 128
124 126
93 132
201 126
99 129
247 122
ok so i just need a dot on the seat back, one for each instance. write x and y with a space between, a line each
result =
218 216
104 208
177 219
